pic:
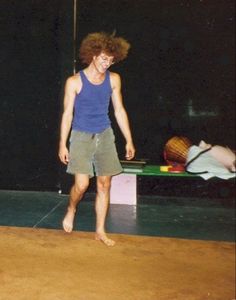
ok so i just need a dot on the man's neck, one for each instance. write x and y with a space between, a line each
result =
93 74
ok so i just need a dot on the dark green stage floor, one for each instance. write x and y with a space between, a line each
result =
168 217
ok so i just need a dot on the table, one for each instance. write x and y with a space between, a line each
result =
124 185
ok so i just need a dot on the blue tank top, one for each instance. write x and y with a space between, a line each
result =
92 105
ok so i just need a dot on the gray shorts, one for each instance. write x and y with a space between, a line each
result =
93 153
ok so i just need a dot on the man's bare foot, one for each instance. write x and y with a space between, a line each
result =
69 220
103 238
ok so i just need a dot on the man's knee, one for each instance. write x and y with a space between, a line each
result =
81 185
80 188
103 184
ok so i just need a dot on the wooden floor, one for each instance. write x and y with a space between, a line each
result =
43 264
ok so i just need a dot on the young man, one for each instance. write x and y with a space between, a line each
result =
92 143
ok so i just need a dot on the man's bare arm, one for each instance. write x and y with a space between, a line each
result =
69 98
121 115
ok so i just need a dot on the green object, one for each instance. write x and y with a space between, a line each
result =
154 170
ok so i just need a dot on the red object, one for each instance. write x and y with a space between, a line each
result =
177 169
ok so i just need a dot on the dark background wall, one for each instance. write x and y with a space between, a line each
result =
36 49
178 79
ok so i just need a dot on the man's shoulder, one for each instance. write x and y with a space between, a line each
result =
115 77
73 80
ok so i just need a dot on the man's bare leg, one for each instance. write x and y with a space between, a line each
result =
101 207
76 194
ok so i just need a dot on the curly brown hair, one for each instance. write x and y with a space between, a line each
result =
95 43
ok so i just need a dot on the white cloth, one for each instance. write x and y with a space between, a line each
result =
207 163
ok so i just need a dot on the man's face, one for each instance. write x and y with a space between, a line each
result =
103 62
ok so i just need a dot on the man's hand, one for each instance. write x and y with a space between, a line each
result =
63 155
130 151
